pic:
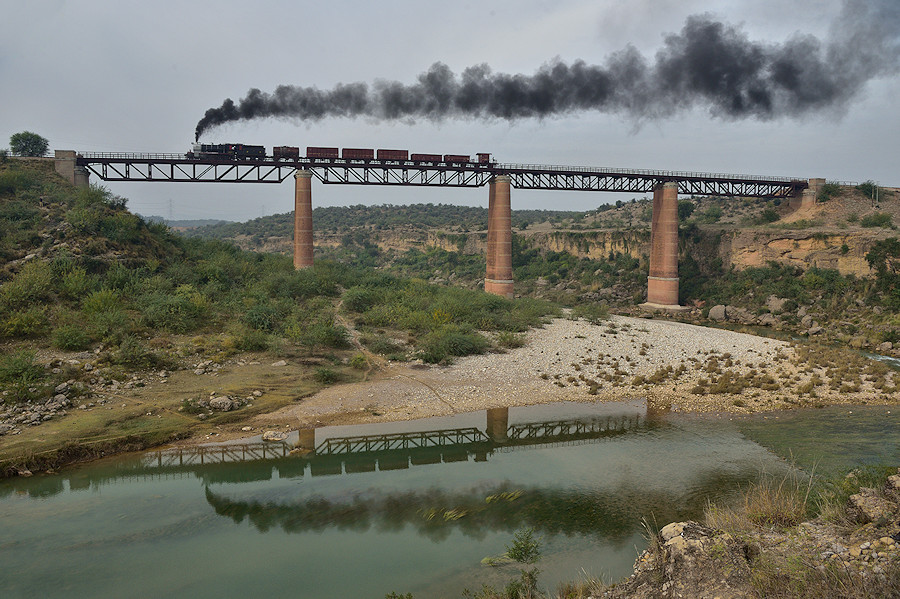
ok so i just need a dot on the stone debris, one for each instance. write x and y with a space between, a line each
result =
274 436
688 559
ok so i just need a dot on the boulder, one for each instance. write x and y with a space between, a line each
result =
768 320
885 347
279 363
274 436
775 304
222 404
717 313
868 506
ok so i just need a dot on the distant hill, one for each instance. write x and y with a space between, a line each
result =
185 224
339 219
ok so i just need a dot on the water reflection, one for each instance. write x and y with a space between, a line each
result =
365 510
302 455
614 514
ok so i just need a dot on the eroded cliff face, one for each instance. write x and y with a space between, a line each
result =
845 252
741 248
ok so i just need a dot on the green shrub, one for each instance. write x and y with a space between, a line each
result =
111 326
769 215
71 337
103 300
24 323
249 339
177 313
359 299
828 191
75 284
449 341
877 219
325 375
132 352
263 317
711 215
33 284
20 367
509 339
867 189
594 313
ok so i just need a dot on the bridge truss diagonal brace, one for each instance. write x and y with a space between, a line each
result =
188 172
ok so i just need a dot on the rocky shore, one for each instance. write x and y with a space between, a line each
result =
857 556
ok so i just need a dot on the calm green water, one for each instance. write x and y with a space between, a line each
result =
407 519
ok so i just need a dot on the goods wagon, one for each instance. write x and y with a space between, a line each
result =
285 153
426 158
358 154
455 158
393 155
316 152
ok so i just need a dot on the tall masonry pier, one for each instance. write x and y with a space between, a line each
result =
303 223
662 284
499 278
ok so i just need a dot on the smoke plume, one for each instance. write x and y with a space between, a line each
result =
708 64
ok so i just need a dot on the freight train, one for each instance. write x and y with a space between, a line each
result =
292 153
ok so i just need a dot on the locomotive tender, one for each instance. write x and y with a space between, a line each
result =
292 153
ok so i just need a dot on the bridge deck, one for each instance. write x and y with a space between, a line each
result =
178 168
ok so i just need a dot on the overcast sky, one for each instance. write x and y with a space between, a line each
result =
137 76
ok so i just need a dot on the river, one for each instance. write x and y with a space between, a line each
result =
362 511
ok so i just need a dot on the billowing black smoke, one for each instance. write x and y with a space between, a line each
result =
708 64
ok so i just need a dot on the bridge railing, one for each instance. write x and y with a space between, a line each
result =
643 172
133 156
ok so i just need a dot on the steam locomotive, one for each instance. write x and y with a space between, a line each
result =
292 153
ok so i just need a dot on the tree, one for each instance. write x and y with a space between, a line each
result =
27 143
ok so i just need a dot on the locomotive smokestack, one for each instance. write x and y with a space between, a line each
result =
708 64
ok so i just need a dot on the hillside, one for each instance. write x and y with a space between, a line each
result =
802 270
99 310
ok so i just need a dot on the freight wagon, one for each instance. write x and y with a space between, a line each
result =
285 153
358 154
393 155
316 152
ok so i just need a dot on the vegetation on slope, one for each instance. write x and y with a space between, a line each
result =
80 273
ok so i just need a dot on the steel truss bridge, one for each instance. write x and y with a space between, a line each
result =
177 168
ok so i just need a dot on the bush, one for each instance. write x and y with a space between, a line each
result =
132 352
359 299
828 191
877 219
449 341
325 375
769 215
177 313
26 323
594 313
33 284
104 300
248 339
509 340
867 189
711 215
19 374
71 337
20 367
262 317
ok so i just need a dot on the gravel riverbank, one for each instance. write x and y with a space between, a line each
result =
674 366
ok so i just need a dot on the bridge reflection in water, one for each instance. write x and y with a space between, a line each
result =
335 455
